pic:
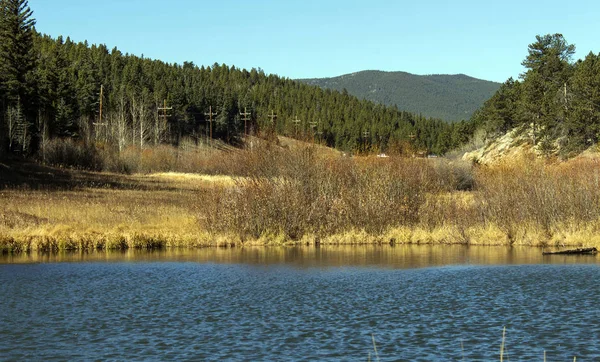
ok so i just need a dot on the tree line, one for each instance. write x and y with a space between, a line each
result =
58 88
556 102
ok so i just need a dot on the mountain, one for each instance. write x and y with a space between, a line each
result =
447 97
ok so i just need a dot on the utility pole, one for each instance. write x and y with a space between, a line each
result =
365 135
164 108
273 117
210 115
99 123
101 96
297 123
245 118
273 126
313 125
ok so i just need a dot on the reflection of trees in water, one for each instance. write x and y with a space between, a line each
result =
386 256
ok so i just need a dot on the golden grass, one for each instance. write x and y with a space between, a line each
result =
284 198
219 180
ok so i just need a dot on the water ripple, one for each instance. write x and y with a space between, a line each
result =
191 311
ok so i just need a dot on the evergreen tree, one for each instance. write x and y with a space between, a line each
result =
545 85
17 65
499 113
583 124
557 102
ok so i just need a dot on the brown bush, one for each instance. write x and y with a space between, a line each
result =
71 153
531 192
299 192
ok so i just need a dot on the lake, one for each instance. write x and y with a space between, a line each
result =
418 303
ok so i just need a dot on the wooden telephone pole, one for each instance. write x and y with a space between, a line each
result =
100 123
101 96
273 117
297 123
245 118
164 108
365 135
210 115
313 124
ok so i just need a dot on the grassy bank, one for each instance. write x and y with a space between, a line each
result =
300 195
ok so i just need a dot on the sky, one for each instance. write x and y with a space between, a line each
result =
327 38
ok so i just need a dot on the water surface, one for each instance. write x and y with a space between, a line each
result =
421 303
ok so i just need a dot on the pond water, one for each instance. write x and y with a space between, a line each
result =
418 303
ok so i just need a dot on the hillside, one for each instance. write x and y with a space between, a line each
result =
555 103
54 90
447 97
72 77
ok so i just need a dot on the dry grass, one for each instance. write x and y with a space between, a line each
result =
98 219
542 204
279 196
209 179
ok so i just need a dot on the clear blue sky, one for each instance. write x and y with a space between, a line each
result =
325 38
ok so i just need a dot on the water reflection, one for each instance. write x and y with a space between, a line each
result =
400 256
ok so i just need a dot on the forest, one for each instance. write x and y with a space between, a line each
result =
55 88
448 97
555 103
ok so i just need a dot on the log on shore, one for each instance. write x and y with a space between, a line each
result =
578 251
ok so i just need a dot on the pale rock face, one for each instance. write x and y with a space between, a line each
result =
510 145
518 144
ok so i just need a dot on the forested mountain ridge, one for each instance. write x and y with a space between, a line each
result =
447 97
53 88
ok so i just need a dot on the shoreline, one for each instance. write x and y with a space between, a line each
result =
63 238
302 198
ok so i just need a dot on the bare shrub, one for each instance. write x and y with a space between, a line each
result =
528 191
299 192
71 153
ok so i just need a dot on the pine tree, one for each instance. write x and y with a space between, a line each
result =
584 120
17 64
545 87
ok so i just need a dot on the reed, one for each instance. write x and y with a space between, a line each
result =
375 348
502 344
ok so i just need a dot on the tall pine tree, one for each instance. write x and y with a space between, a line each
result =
17 65
545 89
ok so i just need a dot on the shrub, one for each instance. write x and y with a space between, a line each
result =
70 153
528 191
298 192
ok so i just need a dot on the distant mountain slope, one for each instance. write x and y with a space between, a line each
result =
448 97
